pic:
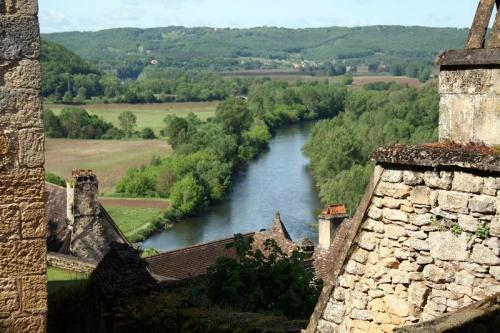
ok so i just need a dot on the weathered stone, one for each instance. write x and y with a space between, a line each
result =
395 215
466 182
21 7
33 220
360 255
483 204
20 109
495 272
372 225
401 254
459 290
22 257
375 293
420 195
421 220
436 274
389 202
495 227
418 293
394 231
464 278
437 211
27 74
424 260
493 244
417 234
326 326
409 266
468 223
491 185
398 276
31 148
482 255
397 306
9 299
355 268
20 39
34 293
361 314
367 241
11 221
441 181
448 247
397 191
347 281
412 178
392 176
375 213
31 324
418 244
334 312
453 201
339 294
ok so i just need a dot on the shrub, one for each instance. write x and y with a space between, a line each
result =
55 179
148 134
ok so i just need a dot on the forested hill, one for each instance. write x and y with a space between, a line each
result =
130 49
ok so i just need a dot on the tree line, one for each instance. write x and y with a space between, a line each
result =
378 114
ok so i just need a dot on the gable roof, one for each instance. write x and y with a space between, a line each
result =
191 261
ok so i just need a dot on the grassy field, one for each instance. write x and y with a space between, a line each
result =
110 160
132 221
148 115
59 278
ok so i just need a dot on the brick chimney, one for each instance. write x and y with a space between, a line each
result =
83 209
469 84
329 221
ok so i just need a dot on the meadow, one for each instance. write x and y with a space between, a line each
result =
59 279
132 221
109 159
148 115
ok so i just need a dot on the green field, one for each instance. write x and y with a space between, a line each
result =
59 278
148 115
132 221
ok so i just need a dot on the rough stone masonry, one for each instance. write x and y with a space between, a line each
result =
23 281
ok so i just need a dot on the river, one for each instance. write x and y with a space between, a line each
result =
278 180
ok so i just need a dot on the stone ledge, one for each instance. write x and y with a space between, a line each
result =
472 57
479 158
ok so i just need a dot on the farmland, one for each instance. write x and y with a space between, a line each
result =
148 115
109 159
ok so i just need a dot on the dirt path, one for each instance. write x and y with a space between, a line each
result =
134 203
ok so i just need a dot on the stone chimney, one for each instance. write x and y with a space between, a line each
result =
83 209
329 221
469 84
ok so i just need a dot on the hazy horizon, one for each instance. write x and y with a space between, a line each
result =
294 14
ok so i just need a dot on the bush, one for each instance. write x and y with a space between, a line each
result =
55 179
148 134
188 195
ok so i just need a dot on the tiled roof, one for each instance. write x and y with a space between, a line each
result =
191 261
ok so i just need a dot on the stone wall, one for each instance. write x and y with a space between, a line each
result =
23 281
427 245
470 105
71 263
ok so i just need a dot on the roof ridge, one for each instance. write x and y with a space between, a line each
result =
198 245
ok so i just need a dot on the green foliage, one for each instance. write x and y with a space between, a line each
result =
234 116
128 123
456 229
188 195
483 230
269 281
75 123
148 134
149 252
339 148
55 179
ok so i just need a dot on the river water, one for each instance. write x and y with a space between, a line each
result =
278 180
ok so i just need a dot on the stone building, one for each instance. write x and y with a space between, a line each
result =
425 240
23 281
78 224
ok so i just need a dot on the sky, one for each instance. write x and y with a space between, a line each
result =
92 15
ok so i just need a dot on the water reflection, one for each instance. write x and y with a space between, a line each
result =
278 180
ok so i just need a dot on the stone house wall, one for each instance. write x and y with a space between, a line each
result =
23 281
70 263
427 245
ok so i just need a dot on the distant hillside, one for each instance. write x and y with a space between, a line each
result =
128 50
61 66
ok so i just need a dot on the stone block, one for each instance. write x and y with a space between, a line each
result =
437 274
397 306
31 324
491 185
326 326
34 294
22 185
495 227
33 220
395 231
456 202
21 108
446 246
360 255
468 223
10 222
394 215
418 244
464 278
478 81
26 74
469 118
9 298
334 312
413 178
375 213
22 257
367 241
483 255
19 37
20 7
355 268
483 204
418 293
397 191
421 219
420 195
358 314
466 182
495 272
392 176
441 180
31 148
372 225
